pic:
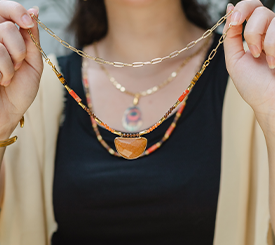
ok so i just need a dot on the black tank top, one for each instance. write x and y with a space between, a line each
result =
169 197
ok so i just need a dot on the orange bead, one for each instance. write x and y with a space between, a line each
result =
180 110
170 130
184 94
75 96
85 80
152 148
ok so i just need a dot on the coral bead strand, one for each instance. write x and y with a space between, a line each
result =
168 132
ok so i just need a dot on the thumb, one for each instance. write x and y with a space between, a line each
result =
33 53
233 44
34 11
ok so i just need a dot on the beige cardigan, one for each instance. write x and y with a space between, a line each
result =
27 216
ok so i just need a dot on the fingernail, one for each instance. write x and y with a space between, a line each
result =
34 10
229 6
37 8
27 20
17 66
235 18
254 51
271 61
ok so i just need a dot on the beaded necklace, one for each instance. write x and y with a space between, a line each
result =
132 145
103 142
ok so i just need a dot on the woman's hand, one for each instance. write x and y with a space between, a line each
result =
253 71
20 65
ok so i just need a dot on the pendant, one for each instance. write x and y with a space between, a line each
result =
132 120
130 148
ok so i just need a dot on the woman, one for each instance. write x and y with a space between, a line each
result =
170 196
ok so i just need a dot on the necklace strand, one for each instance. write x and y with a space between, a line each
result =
150 150
157 124
132 145
156 88
132 119
167 133
134 64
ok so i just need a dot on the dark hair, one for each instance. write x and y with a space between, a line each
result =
90 20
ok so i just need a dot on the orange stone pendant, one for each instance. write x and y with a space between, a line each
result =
130 148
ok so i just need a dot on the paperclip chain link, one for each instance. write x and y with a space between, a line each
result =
157 124
134 64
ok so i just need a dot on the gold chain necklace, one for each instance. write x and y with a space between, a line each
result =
113 152
132 116
155 146
134 64
132 145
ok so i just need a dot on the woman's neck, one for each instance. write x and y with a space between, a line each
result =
140 30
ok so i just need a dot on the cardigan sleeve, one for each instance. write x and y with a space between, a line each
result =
243 216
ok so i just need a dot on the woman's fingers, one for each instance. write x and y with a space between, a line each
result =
269 44
259 32
34 30
11 38
33 56
243 11
233 43
20 61
6 65
15 12
256 29
14 45
11 11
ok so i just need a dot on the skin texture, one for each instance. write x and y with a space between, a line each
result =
257 84
141 30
